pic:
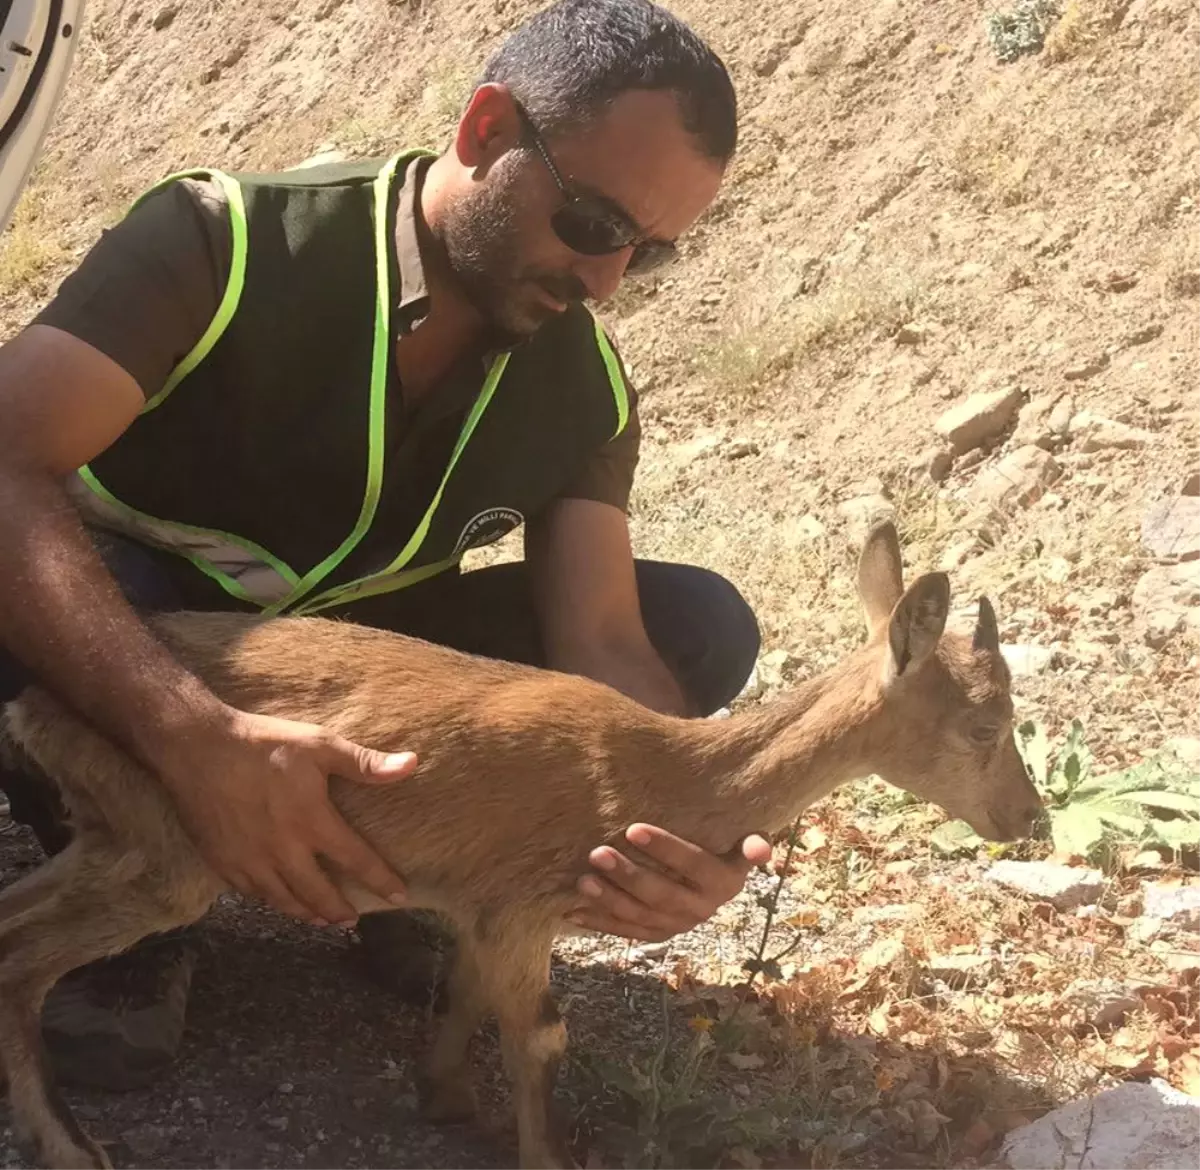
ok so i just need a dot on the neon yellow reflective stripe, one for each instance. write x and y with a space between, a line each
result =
233 287
415 541
373 589
380 360
620 393
228 583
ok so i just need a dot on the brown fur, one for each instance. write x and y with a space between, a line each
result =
522 772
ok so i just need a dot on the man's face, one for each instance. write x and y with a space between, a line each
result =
498 233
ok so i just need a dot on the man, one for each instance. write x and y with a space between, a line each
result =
311 393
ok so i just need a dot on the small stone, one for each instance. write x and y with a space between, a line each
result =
287 1087
939 464
721 713
960 972
654 950
1025 661
279 1123
1087 369
1177 905
1151 1126
896 912
1185 748
1171 528
740 449
911 334
797 531
1063 886
1191 486
1145 334
1019 479
862 514
1102 1003
755 687
164 17
1166 600
1091 433
981 417
958 554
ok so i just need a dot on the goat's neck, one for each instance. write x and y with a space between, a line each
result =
767 766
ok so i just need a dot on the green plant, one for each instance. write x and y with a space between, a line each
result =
1153 804
1022 29
672 1115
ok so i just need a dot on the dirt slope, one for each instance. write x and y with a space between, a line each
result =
908 223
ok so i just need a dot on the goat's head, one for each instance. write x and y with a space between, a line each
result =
946 728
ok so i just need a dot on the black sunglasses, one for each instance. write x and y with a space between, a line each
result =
595 225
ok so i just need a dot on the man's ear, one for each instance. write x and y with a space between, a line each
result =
489 128
917 623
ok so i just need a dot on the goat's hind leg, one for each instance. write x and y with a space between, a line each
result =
77 907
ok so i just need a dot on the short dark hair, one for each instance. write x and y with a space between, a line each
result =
572 59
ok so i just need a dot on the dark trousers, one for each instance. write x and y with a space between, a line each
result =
697 621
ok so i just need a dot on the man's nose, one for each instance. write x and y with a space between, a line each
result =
602 274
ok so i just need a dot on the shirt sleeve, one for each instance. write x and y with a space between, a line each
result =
607 476
149 287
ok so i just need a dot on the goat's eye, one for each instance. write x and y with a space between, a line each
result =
985 734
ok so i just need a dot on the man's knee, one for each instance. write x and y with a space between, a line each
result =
704 629
734 641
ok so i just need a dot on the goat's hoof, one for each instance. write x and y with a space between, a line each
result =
450 1100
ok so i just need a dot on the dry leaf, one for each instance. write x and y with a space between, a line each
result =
879 1021
809 916
814 838
1185 1073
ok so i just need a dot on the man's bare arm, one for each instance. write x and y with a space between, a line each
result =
585 591
252 791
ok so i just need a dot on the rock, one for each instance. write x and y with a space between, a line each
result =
740 449
754 687
895 912
1171 528
1191 485
1018 480
1063 886
1166 600
1185 748
323 157
1045 421
1103 1004
1025 661
958 554
1149 1126
1178 905
1087 369
721 713
796 531
981 417
165 17
1144 334
1091 433
959 972
862 513
911 334
1144 930
936 462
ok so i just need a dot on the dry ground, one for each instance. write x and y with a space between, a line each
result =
1033 220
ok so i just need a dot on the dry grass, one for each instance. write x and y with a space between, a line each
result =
30 250
1082 25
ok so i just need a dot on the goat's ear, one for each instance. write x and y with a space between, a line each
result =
987 632
880 574
917 622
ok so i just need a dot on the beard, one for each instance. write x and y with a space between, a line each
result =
482 237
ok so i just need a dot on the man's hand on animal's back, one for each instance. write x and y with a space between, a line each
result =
61 403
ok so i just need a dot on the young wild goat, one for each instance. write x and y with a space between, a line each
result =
522 772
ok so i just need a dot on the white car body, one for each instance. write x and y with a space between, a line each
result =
37 49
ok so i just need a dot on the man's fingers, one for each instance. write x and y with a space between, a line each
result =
312 887
756 850
343 846
651 889
366 765
606 924
274 891
696 865
633 918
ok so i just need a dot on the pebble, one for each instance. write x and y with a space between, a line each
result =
1063 886
1177 905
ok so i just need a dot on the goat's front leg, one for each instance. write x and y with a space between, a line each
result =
533 1039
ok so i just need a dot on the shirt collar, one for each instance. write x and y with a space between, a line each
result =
413 301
